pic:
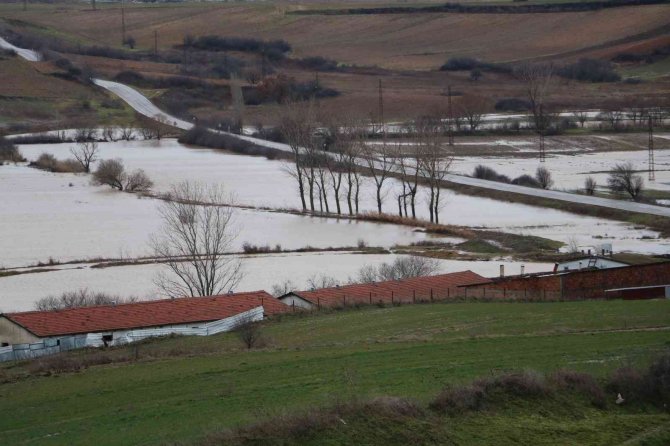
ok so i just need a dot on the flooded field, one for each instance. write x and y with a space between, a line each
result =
261 272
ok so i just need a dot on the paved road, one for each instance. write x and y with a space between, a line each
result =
32 56
144 106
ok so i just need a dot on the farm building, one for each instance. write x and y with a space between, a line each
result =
648 281
590 262
34 333
393 291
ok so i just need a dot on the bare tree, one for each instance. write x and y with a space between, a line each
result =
434 163
79 298
108 133
110 173
536 79
543 176
85 153
623 179
127 133
316 282
613 116
138 181
249 332
401 268
379 160
285 287
296 124
581 116
197 232
85 134
590 186
472 109
353 171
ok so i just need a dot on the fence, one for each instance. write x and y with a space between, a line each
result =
51 346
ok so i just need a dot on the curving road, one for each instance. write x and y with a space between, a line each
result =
145 107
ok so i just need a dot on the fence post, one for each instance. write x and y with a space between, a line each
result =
370 297
414 296
318 303
504 293
431 294
293 306
344 300
391 296
484 292
466 292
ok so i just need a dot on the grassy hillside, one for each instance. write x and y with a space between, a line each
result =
182 388
37 94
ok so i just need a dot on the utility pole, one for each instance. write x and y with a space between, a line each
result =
381 109
541 132
93 4
450 117
123 25
155 42
652 167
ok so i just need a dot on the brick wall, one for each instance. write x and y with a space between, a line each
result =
589 284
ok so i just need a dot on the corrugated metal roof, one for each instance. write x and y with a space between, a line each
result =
419 287
144 314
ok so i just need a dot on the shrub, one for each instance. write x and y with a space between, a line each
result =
487 173
527 181
543 177
202 137
249 332
512 104
273 50
591 70
9 152
317 63
470 64
579 382
48 162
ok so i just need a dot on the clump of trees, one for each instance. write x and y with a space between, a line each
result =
274 50
590 70
79 298
471 64
400 268
542 179
113 173
624 180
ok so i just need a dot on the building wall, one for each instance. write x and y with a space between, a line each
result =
11 333
589 284
292 300
600 264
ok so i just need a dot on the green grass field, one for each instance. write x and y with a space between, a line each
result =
183 388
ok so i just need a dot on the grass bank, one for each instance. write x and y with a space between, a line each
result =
178 389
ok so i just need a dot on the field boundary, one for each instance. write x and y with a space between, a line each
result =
459 8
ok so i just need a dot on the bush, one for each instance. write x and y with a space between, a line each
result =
512 104
590 70
317 63
202 137
527 181
470 64
273 50
48 162
579 382
486 173
9 152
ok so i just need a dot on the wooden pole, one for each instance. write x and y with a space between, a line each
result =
123 24
451 117
155 42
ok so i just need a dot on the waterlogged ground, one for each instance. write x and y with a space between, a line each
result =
260 182
570 171
261 272
64 217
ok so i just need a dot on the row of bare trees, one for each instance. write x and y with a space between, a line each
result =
331 160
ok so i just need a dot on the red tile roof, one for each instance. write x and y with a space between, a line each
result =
144 314
406 290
